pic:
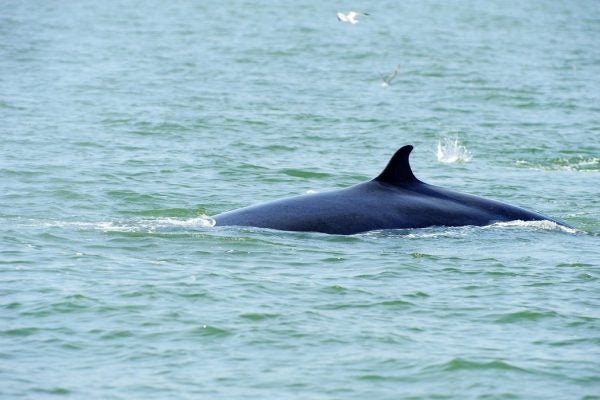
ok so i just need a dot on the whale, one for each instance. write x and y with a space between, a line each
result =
395 199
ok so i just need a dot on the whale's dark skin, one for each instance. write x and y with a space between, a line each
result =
395 199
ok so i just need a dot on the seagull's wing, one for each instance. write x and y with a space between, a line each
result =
354 14
341 17
391 76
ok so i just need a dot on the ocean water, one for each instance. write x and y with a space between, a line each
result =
125 124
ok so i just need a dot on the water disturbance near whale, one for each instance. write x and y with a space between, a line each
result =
395 199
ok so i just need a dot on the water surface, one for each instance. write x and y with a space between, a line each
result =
124 124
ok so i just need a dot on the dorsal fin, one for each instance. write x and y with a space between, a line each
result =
398 170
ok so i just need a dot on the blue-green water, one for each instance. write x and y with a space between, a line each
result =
124 124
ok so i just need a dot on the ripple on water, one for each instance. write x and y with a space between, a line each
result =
71 304
305 174
461 364
255 316
210 331
21 332
525 316
424 256
117 334
393 304
54 391
589 341
574 163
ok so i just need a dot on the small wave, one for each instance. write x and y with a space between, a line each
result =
451 151
298 173
258 316
458 364
55 391
432 232
525 316
20 332
435 232
440 232
396 304
158 224
569 164
207 330
143 225
544 225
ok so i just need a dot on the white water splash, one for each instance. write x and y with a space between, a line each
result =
160 225
462 231
150 225
544 225
452 151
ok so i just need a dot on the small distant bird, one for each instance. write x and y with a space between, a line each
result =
350 17
388 79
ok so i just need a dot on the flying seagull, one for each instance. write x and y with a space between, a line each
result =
388 79
350 17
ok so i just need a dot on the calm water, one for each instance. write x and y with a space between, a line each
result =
125 123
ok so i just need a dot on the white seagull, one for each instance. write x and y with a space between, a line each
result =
388 79
350 17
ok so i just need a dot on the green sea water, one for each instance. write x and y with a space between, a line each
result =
125 124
